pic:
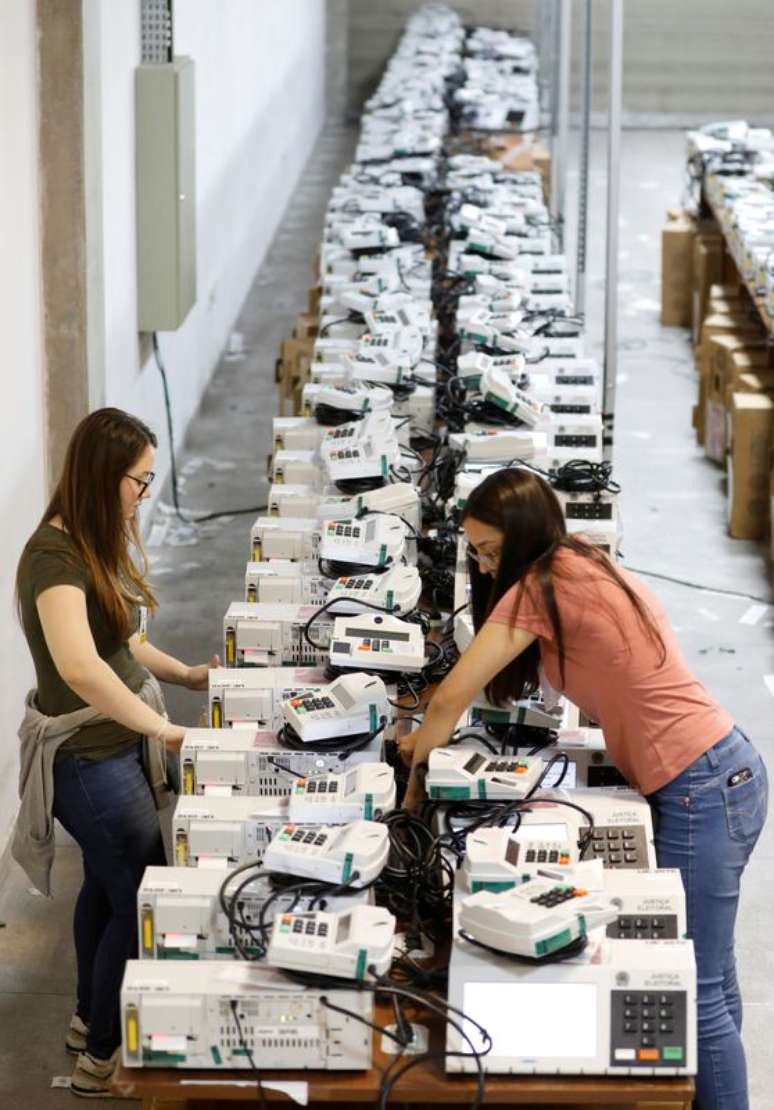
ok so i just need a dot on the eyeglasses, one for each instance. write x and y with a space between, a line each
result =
143 483
492 558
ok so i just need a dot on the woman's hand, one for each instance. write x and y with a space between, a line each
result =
197 677
415 751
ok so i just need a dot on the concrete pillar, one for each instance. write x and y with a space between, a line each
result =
63 222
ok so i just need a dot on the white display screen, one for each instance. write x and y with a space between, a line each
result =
531 1020
553 776
553 831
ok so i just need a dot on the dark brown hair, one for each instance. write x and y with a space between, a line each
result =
521 505
102 450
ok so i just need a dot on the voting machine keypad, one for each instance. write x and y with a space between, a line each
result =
649 1029
644 926
617 845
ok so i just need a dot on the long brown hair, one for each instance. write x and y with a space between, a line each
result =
103 448
521 505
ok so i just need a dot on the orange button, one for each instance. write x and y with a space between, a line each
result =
649 1054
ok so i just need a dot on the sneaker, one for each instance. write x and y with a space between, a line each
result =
75 1041
91 1078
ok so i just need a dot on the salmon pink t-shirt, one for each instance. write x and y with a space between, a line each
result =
656 719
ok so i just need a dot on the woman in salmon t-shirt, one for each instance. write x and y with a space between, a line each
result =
541 596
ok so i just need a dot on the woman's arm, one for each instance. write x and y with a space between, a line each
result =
65 624
168 669
495 646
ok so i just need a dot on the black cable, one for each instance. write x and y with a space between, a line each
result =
252 510
325 607
342 745
574 948
248 1053
170 430
172 460
699 585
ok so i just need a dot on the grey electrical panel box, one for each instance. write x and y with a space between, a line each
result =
166 197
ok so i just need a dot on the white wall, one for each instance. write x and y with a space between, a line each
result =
22 474
259 88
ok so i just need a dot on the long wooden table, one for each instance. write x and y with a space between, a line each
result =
168 1089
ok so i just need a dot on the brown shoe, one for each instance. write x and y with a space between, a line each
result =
75 1041
91 1078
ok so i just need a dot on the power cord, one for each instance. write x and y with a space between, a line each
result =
700 586
173 461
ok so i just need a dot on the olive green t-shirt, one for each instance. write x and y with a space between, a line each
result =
52 559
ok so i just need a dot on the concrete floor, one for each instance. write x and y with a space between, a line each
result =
673 506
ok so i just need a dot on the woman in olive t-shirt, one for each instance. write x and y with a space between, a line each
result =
80 597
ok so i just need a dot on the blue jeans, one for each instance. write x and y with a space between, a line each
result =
107 807
706 823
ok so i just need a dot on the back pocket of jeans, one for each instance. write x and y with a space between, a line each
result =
746 805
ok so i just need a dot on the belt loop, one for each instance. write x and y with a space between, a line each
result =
713 758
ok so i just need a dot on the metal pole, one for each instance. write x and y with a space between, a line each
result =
543 18
562 116
583 174
613 185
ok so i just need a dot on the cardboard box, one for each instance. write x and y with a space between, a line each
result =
677 241
735 332
744 360
707 271
760 381
306 327
749 465
522 152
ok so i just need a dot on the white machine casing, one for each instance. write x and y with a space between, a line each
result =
351 705
330 854
287 537
182 1015
397 589
567 1017
365 460
257 635
347 945
500 859
223 832
179 915
500 446
296 468
286 582
535 919
372 641
296 433
461 774
589 765
377 428
373 541
623 824
252 697
356 398
305 502
497 388
366 792
225 762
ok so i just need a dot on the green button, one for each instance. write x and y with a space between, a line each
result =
672 1052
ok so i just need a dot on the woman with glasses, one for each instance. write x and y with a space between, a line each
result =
96 713
548 605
